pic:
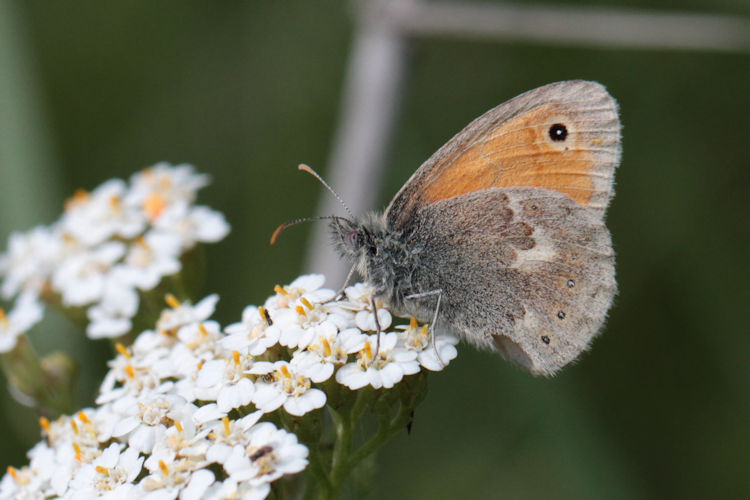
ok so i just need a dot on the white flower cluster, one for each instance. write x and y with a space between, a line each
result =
109 244
180 413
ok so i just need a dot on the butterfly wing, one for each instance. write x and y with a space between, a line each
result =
564 137
526 272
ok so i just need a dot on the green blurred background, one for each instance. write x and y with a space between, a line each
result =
246 90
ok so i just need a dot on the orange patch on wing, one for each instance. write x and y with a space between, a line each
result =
519 153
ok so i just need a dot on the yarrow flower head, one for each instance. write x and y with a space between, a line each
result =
112 243
194 410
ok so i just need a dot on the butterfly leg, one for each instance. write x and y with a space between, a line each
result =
439 293
340 293
377 325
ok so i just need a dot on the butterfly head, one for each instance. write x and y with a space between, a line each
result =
358 240
352 239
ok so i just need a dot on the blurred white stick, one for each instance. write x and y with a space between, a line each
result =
371 94
579 26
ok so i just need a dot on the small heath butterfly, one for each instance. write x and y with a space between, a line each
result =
499 237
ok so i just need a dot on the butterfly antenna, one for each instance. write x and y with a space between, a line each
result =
309 170
285 225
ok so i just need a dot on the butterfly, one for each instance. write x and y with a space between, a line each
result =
499 237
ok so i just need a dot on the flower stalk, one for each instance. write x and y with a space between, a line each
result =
45 383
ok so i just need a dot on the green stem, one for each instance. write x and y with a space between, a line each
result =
25 371
342 446
277 490
332 468
364 398
386 430
319 473
344 461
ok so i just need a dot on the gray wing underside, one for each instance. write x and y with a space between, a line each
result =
523 271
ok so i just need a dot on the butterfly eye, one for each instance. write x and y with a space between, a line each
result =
558 132
352 238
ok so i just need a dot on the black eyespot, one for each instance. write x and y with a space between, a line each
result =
571 283
545 339
534 207
558 132
561 314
